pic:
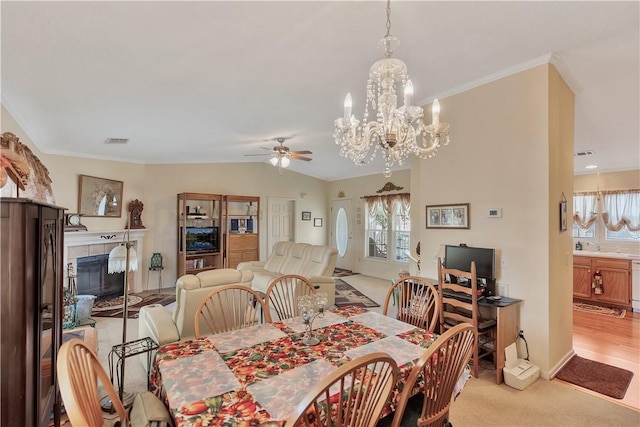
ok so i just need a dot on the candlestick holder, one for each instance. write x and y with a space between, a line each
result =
311 306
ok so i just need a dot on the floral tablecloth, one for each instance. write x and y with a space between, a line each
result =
270 369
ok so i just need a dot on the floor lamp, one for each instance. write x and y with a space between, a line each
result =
122 258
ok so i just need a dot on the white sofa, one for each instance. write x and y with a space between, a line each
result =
163 326
314 262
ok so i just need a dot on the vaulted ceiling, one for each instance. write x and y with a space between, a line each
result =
213 81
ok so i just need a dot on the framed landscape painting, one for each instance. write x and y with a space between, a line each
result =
448 216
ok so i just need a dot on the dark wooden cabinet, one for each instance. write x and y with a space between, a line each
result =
31 252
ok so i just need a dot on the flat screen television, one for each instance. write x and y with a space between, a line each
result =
202 239
460 257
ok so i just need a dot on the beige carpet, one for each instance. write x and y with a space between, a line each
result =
544 403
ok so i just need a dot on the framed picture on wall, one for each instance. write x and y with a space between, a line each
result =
306 216
317 222
563 214
448 216
100 197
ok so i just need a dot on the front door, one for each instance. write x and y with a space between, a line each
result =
342 232
280 222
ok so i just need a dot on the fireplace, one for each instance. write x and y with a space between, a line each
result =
93 277
91 244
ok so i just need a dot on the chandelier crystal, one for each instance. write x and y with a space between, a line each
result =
397 131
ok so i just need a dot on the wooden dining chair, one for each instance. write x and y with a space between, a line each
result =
282 295
78 371
439 369
417 302
228 308
463 308
357 392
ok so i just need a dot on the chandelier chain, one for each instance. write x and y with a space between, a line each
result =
388 19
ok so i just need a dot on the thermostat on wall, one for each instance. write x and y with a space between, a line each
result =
494 213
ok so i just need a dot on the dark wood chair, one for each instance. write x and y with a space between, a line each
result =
460 305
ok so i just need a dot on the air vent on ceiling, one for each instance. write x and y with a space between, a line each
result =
584 153
116 140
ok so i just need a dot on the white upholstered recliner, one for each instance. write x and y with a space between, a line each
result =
163 326
314 262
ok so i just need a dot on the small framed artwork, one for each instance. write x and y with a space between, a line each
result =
317 222
99 197
563 214
306 216
448 216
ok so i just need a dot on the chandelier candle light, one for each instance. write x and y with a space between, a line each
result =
311 306
397 131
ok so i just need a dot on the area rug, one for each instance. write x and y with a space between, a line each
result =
596 309
113 307
348 295
599 377
342 272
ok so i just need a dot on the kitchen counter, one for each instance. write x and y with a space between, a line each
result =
617 255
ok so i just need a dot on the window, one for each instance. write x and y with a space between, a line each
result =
612 216
388 227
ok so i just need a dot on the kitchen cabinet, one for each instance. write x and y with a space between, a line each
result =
616 280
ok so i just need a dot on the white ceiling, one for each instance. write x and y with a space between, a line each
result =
211 81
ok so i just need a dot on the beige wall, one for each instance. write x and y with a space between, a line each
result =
510 145
627 180
560 291
354 189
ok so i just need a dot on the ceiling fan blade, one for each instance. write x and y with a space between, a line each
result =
264 154
302 152
298 157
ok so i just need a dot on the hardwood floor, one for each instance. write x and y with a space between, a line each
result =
613 341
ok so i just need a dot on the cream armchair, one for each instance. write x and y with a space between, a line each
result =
164 327
314 262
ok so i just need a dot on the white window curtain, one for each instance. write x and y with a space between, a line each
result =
585 209
621 209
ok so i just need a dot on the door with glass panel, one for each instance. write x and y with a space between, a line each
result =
342 232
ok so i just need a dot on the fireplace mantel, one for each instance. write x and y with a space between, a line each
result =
98 242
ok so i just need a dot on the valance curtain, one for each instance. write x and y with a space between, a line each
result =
585 209
618 208
621 209
387 201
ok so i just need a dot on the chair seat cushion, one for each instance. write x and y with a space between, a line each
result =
149 411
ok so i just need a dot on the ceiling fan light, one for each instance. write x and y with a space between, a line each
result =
284 162
274 160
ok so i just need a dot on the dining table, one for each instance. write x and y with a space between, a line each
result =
258 374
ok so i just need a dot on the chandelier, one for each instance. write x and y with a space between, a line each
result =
397 131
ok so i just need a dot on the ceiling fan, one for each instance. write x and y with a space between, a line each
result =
281 155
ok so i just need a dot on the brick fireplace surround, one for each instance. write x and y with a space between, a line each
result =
78 244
